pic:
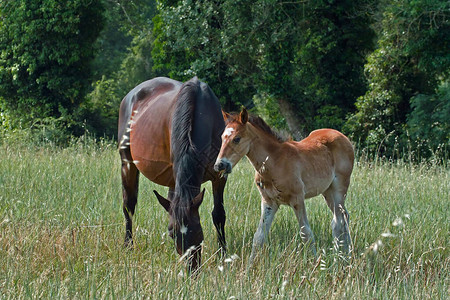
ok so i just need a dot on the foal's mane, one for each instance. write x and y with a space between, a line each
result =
259 123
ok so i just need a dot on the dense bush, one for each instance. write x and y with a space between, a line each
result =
411 60
45 54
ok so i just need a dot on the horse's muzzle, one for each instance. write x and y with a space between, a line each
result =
223 165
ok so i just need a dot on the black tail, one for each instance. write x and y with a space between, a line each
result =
183 150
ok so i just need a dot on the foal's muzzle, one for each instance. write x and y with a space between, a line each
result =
223 165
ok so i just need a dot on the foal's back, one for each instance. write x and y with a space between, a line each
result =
321 157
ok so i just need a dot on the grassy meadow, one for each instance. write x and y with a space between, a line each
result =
62 228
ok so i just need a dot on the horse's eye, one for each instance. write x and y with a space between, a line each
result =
236 140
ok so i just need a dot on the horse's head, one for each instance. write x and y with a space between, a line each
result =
185 228
235 142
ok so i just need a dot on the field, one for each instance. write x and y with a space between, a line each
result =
62 228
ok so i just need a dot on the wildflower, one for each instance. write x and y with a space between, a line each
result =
232 258
387 235
377 245
398 222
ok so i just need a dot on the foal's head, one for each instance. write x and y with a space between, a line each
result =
236 142
185 228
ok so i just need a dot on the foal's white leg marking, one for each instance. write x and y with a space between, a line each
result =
305 230
335 197
267 215
339 226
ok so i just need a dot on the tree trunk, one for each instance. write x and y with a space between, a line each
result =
292 120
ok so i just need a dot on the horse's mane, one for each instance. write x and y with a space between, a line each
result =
183 151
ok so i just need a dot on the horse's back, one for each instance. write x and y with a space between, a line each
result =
141 95
145 118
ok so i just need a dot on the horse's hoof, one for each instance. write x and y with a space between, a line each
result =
128 244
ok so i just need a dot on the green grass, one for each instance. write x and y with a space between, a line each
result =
62 228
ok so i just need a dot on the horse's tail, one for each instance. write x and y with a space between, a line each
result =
183 150
182 120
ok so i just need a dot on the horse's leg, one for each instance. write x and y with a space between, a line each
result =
268 211
130 183
305 230
335 198
218 213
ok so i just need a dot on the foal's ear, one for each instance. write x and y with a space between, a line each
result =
243 116
163 201
198 199
226 117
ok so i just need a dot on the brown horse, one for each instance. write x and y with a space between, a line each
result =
288 172
170 132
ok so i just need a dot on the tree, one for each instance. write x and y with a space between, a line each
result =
428 124
200 38
123 62
46 47
307 55
412 58
330 60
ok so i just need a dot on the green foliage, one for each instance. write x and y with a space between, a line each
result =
336 36
124 65
310 53
429 123
412 57
267 108
45 54
199 38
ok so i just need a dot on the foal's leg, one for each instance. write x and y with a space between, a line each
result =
268 210
218 213
335 198
305 230
130 183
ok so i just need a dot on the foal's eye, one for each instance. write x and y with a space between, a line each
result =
236 140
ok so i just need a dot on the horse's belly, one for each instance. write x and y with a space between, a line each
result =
150 141
159 172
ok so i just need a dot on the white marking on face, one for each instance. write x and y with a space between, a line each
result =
183 229
228 131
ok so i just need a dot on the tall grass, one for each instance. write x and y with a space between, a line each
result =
61 234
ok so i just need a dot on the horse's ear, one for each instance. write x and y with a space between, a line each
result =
226 117
163 201
198 199
243 116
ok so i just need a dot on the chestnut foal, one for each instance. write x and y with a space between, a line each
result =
288 172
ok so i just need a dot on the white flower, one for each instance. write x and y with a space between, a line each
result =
398 222
387 234
231 258
378 244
